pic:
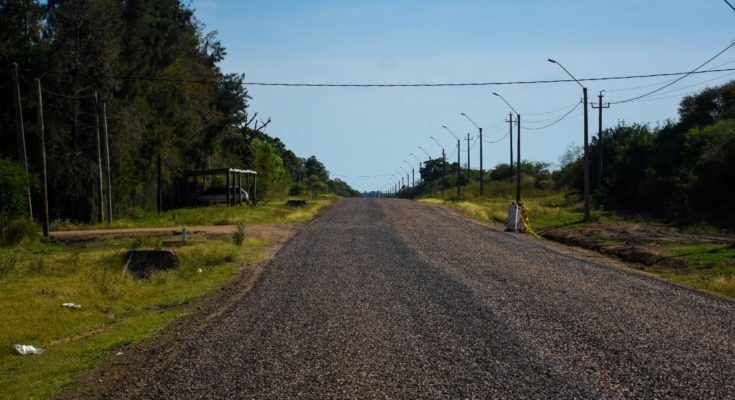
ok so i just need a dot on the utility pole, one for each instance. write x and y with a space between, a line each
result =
600 106
107 157
413 177
21 137
459 152
468 156
482 185
586 160
518 169
101 200
510 135
42 144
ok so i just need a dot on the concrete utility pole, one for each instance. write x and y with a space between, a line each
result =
107 157
468 156
600 106
518 169
482 185
586 159
42 145
101 200
510 135
20 132
459 152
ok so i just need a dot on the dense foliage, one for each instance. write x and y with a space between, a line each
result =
681 171
169 106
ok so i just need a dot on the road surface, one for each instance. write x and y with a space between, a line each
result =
387 298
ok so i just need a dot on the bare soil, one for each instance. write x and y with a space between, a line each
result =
277 233
646 244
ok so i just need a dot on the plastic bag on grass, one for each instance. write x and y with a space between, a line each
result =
25 349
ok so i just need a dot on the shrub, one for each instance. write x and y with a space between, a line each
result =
19 230
297 189
238 237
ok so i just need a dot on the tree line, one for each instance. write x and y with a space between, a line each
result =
169 106
681 171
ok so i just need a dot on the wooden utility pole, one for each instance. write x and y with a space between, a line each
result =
600 106
107 159
100 184
42 144
20 132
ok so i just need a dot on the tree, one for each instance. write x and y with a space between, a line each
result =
315 167
342 188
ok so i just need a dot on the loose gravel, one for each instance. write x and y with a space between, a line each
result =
382 298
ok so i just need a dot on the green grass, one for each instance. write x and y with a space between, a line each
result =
36 278
546 208
264 213
116 308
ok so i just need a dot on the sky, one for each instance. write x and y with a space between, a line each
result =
366 135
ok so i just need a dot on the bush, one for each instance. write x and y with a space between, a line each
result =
297 189
14 181
238 237
19 230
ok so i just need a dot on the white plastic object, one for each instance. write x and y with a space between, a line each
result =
71 305
25 349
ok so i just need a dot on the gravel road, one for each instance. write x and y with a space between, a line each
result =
394 299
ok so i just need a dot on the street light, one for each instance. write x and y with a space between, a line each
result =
444 156
586 160
408 175
458 155
518 176
481 171
413 176
427 154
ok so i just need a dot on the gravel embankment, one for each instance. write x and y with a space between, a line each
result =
390 298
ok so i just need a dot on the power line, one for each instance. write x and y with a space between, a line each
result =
393 85
555 122
496 141
731 6
675 80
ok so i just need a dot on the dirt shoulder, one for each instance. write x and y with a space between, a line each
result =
649 244
275 232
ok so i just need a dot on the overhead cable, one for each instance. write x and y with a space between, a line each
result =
369 85
676 80
555 122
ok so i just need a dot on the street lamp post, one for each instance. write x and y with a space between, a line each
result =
417 159
408 177
518 144
458 156
586 159
444 155
413 173
481 170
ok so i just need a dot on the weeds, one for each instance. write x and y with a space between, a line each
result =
238 237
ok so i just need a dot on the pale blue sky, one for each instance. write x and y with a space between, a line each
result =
361 132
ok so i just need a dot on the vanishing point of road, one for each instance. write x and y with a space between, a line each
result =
382 298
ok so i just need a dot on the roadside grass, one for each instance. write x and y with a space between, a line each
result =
547 208
36 277
707 267
115 308
263 213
